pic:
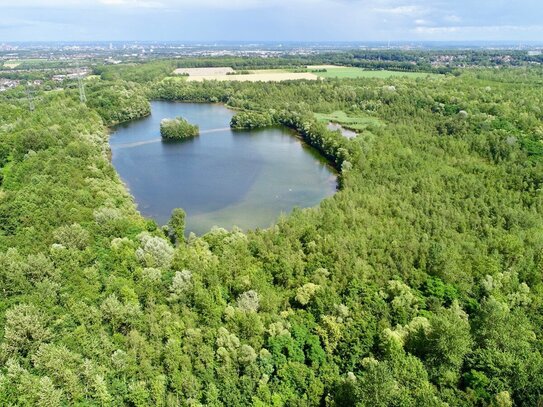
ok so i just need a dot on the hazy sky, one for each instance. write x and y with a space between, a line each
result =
279 20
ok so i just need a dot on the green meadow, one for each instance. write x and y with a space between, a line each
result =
350 72
358 123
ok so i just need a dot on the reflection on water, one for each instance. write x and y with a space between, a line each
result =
344 132
222 177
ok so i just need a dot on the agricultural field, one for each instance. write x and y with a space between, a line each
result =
11 64
228 74
257 77
313 72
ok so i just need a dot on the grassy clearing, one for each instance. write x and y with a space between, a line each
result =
348 72
11 64
176 78
357 123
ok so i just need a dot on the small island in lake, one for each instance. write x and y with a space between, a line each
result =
178 129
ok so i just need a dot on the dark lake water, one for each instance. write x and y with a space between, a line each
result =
221 178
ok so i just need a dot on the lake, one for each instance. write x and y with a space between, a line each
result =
223 177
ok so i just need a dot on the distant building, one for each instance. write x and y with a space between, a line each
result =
6 84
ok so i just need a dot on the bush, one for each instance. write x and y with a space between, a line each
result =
178 129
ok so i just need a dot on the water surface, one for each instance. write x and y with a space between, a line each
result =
344 132
221 178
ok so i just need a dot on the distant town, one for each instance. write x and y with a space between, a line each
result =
41 63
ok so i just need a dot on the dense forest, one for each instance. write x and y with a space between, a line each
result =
419 283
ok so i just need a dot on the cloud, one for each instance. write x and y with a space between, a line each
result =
436 30
402 10
306 20
133 3
89 4
42 4
478 28
422 21
453 18
8 24
172 4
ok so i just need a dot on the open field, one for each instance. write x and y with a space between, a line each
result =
11 64
276 75
265 71
359 123
349 72
257 77
225 74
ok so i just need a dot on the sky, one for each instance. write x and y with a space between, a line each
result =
271 20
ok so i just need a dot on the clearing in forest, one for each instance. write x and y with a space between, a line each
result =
228 74
258 77
359 123
276 75
351 72
11 64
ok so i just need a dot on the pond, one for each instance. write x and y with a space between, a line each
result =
223 177
344 132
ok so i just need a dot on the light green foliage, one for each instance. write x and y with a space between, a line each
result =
403 303
502 399
306 292
24 330
154 251
359 122
249 301
117 313
151 275
72 236
418 284
48 396
181 284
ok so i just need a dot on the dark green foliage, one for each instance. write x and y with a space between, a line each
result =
117 102
178 129
136 72
251 120
418 284
177 224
